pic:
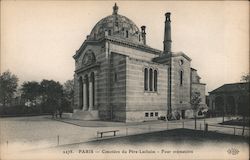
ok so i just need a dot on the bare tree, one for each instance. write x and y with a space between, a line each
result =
195 103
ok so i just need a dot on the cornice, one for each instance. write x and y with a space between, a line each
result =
199 83
133 45
82 69
120 42
166 56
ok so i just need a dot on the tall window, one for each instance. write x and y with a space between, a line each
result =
109 32
151 79
115 77
145 79
181 78
151 114
126 34
155 80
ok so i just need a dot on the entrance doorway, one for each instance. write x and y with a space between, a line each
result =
183 114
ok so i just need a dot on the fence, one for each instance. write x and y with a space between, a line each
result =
228 130
91 135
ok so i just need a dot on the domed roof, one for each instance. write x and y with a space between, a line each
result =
117 26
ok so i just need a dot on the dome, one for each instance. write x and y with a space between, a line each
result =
117 26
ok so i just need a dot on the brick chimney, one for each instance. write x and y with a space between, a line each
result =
167 35
143 32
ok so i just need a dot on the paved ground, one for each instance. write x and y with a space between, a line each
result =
171 144
42 131
100 123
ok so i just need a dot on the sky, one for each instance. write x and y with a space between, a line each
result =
39 38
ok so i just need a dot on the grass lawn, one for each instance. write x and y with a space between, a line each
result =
237 122
176 136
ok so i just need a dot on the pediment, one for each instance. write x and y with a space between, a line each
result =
88 58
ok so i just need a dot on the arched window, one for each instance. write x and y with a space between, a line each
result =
145 79
126 33
151 79
181 78
155 80
109 32
115 77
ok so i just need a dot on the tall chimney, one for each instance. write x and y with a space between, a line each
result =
143 32
167 36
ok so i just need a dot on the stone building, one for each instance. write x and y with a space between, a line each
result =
119 77
230 99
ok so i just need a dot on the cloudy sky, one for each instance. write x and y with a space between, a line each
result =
39 38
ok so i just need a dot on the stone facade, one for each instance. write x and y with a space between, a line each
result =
197 86
119 77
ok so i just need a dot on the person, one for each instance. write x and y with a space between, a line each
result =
53 114
169 116
57 112
60 112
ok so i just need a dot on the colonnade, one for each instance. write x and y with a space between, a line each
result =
228 103
87 92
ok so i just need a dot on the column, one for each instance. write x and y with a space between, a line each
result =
225 104
153 89
210 102
148 79
213 108
90 95
94 89
80 93
84 96
213 105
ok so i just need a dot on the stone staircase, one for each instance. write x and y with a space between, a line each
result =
82 115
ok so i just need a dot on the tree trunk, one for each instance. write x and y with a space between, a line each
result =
4 101
244 125
195 122
223 115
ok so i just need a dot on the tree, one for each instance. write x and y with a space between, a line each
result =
68 89
244 109
8 86
245 78
52 93
195 103
68 95
31 90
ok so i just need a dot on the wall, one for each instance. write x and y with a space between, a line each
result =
198 87
132 52
118 86
180 94
97 49
139 101
195 78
